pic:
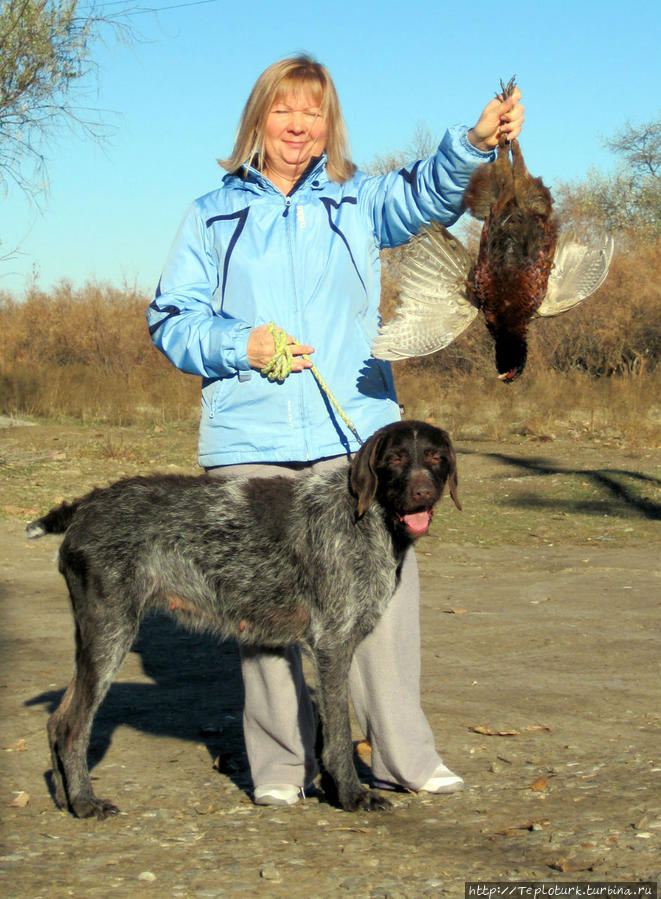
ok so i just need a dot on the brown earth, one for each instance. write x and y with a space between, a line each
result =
540 619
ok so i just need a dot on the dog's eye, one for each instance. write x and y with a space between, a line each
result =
397 459
433 457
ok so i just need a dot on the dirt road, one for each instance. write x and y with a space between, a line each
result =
541 682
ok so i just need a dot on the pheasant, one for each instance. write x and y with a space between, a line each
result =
523 268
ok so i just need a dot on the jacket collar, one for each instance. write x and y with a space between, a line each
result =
250 178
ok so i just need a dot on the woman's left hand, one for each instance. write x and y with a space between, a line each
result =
498 117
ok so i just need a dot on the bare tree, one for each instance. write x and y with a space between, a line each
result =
422 144
44 67
640 146
629 200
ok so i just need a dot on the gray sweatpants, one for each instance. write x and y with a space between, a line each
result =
278 720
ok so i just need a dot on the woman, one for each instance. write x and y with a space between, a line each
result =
293 237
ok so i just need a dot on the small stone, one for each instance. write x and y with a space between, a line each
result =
389 889
147 877
353 884
269 872
20 800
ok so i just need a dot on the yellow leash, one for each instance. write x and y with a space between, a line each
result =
280 368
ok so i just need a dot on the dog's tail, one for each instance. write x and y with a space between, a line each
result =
54 522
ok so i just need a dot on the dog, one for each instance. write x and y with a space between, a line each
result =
211 552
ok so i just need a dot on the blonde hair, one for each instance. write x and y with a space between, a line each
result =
297 74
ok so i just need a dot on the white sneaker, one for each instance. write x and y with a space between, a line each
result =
278 794
442 781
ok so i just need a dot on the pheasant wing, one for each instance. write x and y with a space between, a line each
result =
433 304
577 272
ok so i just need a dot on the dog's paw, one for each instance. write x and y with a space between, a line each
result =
96 808
366 801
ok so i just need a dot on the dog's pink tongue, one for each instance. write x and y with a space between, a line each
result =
417 523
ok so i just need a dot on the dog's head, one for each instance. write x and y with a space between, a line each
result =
405 467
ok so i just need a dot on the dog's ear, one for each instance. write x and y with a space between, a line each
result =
452 476
364 480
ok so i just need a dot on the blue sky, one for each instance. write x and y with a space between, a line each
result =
174 98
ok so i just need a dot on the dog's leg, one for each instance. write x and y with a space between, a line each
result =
57 772
333 671
100 650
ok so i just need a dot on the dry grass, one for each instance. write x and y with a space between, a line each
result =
90 395
86 355
543 405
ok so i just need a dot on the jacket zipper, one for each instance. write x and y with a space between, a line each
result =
290 225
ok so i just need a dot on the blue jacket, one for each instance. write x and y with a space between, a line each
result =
245 255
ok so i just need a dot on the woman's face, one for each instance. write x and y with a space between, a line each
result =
295 132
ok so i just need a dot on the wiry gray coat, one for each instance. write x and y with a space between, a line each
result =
268 561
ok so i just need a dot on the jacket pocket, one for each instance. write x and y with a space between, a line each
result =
208 398
213 396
